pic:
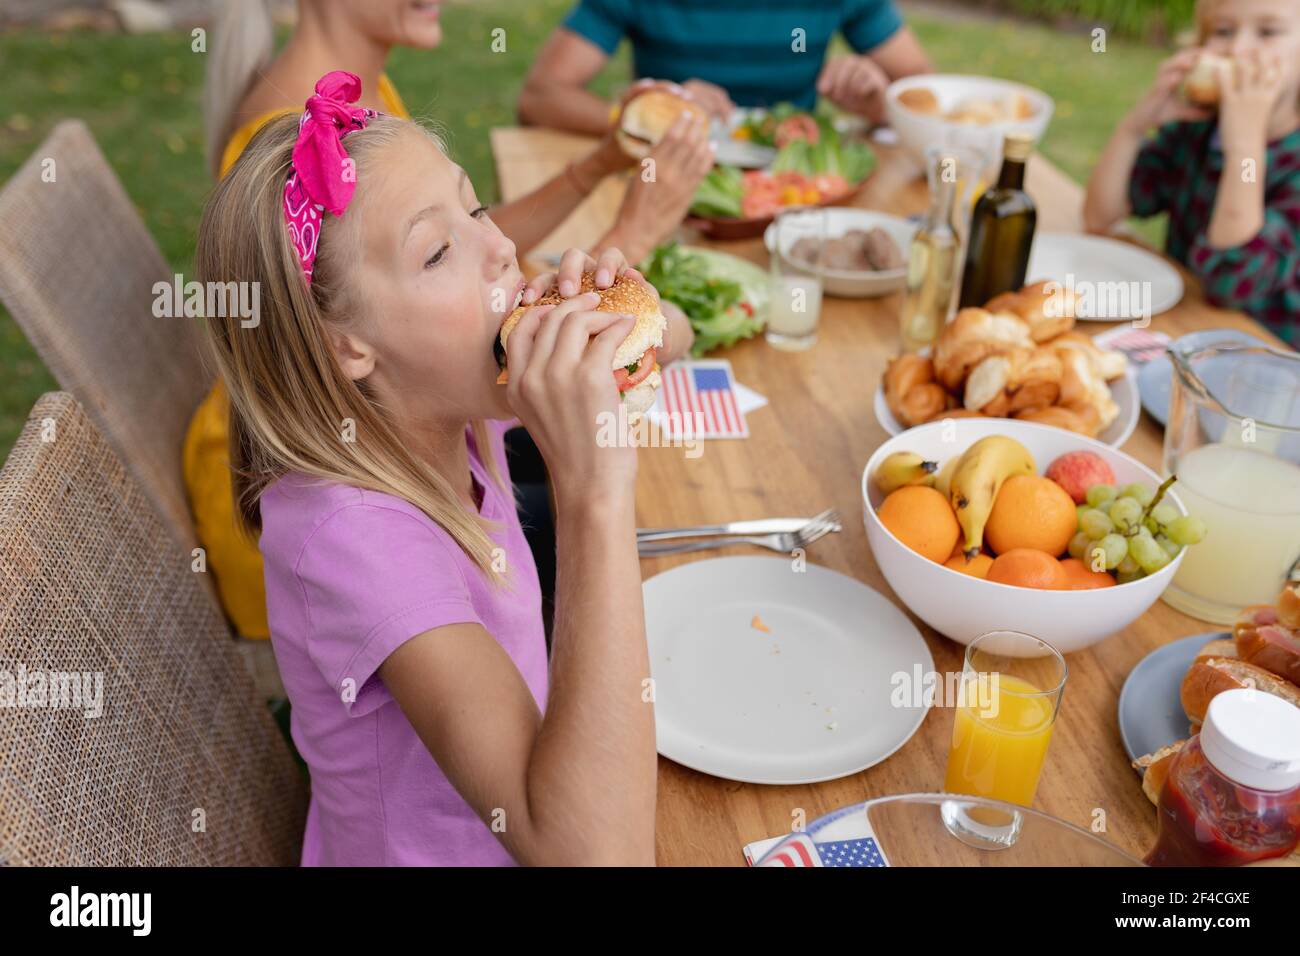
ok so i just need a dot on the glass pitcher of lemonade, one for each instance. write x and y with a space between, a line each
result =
1233 440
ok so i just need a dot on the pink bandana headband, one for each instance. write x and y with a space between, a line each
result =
322 177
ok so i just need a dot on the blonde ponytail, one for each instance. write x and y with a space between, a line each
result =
242 43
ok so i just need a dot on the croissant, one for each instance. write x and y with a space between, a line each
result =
1046 307
972 336
1077 419
1025 377
1081 386
1108 363
911 392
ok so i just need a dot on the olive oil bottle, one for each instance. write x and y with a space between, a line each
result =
1001 230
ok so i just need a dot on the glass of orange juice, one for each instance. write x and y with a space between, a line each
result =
1008 698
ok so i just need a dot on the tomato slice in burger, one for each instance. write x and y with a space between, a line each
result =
644 366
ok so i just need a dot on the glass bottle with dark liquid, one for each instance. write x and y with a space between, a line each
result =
1001 230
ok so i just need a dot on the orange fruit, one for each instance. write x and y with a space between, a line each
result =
1028 568
976 567
923 520
1031 511
1080 577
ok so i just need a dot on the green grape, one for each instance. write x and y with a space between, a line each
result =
1163 513
1170 547
1151 524
1096 524
1143 494
1186 530
1142 531
1124 577
1128 566
1114 547
1079 545
1098 495
1078 512
1149 555
1126 513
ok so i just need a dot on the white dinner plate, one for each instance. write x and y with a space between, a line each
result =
811 699
1123 390
1119 277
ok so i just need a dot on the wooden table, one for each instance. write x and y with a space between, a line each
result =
806 452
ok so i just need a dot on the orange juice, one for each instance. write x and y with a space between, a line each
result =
999 739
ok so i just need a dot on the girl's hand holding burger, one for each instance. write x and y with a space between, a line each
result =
560 383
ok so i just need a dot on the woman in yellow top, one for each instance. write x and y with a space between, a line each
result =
246 88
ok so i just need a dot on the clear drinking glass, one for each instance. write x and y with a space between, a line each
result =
797 268
1010 693
1233 440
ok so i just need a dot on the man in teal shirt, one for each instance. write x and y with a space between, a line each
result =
726 52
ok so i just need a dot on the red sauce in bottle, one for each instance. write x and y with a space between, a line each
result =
1208 820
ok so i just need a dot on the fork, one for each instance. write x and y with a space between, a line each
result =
784 542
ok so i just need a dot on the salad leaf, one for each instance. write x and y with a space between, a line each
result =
720 193
713 304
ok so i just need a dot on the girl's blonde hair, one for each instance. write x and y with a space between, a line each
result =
289 399
243 39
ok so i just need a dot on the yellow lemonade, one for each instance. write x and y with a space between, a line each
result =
999 739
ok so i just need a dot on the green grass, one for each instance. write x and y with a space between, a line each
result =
140 96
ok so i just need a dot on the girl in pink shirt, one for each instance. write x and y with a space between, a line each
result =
366 428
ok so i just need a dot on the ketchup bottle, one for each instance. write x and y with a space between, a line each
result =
1233 791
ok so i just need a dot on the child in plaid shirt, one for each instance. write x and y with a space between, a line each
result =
1231 183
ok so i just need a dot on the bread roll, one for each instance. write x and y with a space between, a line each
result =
1155 769
1288 605
1273 647
1208 678
1201 87
1221 648
647 117
919 99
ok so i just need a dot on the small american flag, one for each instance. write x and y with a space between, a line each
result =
698 399
799 849
863 852
1140 345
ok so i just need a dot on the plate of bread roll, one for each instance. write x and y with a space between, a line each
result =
1167 694
1018 357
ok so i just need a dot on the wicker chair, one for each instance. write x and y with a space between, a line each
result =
91 582
77 271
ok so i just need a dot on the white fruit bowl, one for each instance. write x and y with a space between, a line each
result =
963 607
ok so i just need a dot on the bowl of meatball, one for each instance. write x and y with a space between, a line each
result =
862 253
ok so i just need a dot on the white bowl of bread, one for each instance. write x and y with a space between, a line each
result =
941 109
962 606
1018 357
1263 653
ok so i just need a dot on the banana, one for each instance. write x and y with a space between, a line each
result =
943 480
977 479
903 468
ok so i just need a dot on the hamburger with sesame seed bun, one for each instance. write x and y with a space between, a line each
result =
636 372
